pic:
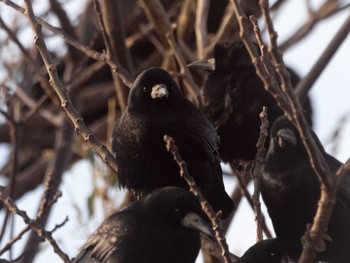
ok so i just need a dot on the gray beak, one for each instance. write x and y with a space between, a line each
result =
207 65
159 91
286 135
195 222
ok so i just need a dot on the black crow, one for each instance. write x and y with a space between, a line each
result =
291 190
162 227
157 107
232 98
265 251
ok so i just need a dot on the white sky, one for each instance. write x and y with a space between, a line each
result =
330 96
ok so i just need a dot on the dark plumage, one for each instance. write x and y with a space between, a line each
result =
232 98
163 227
156 107
291 190
266 251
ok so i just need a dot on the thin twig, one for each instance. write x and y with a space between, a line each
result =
236 197
66 103
326 10
66 25
292 108
264 56
15 239
113 22
318 163
213 217
53 179
269 81
317 160
227 23
13 169
287 100
33 224
26 56
122 73
57 226
202 12
313 238
258 163
244 192
156 13
34 106
121 92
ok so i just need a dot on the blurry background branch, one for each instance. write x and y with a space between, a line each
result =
33 224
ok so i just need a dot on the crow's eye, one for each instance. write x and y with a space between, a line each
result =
145 89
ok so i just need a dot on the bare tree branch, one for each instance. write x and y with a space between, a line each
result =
258 163
313 238
155 13
202 12
213 217
65 24
66 104
244 192
43 81
123 74
53 178
15 239
33 224
326 10
305 85
121 91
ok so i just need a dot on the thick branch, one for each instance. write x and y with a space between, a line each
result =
111 44
202 12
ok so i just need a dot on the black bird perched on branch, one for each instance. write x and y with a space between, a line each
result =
157 107
291 190
232 98
163 227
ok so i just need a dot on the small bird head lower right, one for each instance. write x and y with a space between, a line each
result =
179 207
284 135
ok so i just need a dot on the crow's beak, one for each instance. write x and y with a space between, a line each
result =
195 222
286 136
207 65
159 91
